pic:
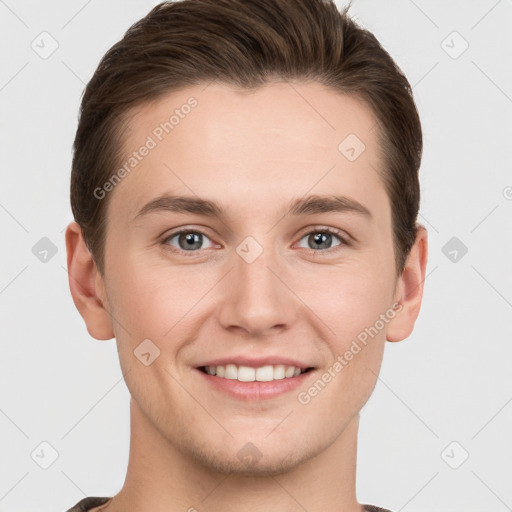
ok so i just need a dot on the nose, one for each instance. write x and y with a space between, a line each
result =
258 295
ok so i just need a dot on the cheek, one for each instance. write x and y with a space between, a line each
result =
149 301
147 306
350 299
353 310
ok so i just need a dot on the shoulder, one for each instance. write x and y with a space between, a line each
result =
373 508
86 504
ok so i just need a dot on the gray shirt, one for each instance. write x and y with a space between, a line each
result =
91 502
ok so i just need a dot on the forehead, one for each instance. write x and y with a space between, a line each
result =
217 141
219 112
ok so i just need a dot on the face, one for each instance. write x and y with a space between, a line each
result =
279 255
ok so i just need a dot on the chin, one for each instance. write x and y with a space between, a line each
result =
268 465
254 459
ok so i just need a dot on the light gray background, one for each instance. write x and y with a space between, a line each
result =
450 381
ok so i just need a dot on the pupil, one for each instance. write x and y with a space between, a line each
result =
193 240
321 238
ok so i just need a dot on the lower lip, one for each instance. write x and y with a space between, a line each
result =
255 391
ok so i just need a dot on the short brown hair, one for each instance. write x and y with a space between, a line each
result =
245 43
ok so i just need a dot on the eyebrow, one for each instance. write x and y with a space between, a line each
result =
309 205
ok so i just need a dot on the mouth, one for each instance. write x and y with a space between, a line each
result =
267 373
254 383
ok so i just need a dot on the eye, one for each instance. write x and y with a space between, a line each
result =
187 240
322 239
191 241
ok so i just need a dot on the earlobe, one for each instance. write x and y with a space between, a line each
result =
409 290
87 286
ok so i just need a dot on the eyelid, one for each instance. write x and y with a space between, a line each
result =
181 252
342 235
344 238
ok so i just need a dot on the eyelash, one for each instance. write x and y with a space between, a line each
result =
331 231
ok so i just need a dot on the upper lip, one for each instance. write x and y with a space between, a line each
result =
256 362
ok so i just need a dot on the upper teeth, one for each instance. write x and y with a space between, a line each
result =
250 374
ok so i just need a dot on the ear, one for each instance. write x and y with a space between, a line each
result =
87 286
409 289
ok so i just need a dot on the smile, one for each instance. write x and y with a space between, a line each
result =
253 384
265 373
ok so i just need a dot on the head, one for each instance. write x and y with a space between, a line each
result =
277 121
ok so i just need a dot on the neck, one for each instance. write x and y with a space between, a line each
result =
161 478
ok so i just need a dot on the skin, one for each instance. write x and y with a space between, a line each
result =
252 152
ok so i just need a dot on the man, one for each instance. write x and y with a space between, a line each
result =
245 192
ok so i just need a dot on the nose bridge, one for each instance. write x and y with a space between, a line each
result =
257 298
